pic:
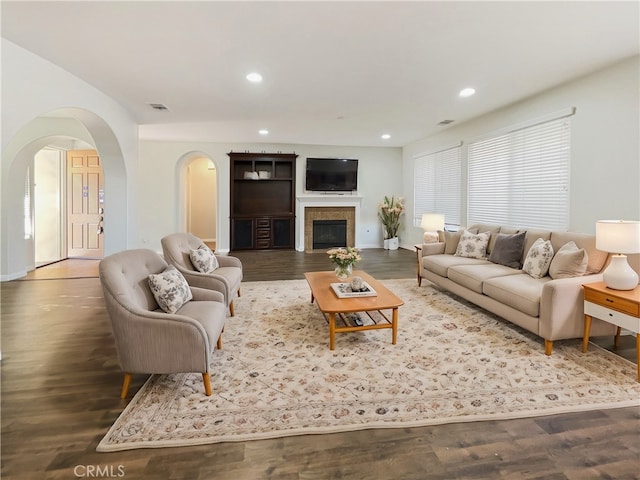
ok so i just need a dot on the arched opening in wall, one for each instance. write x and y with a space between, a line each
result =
37 155
201 208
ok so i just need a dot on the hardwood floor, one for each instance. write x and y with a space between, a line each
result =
61 383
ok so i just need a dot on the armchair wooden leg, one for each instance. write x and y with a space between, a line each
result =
548 346
125 385
233 313
207 383
239 293
219 342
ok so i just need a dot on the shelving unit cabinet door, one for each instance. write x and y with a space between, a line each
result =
282 232
242 234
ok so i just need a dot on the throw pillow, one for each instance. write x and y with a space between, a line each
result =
203 259
473 245
507 250
170 289
569 261
538 258
451 240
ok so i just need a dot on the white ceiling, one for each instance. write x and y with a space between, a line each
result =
335 73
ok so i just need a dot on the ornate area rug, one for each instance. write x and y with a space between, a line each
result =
276 376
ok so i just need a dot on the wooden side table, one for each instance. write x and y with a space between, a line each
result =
619 307
418 248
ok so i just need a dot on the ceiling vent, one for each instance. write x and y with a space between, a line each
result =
445 122
158 106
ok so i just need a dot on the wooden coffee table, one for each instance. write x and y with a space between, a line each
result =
335 308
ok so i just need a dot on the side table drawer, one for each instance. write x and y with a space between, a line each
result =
612 316
609 301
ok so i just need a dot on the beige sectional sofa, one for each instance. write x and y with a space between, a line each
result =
549 307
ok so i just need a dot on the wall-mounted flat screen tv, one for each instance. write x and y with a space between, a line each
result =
332 174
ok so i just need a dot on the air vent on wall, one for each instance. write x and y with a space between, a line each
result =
158 106
445 122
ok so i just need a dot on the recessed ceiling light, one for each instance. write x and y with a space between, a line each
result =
264 131
254 77
385 136
467 92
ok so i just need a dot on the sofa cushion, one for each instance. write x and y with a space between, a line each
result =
203 259
170 289
531 237
507 250
473 276
595 258
473 245
439 264
538 258
521 292
569 261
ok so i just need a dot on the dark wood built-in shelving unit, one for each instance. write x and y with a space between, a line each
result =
263 208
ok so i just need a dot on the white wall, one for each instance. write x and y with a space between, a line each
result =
380 174
605 144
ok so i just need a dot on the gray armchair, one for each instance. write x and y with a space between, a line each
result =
225 279
147 339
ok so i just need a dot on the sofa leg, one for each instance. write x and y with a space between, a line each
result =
231 310
548 346
125 385
207 383
219 342
239 293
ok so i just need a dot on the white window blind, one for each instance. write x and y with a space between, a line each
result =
436 187
521 178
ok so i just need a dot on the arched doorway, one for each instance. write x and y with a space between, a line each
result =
198 213
18 252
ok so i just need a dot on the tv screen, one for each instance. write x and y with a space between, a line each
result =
332 174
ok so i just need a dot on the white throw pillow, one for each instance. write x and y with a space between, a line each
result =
203 259
170 289
473 245
538 258
569 261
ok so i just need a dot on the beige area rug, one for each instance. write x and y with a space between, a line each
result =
452 363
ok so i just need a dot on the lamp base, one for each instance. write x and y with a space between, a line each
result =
430 237
619 275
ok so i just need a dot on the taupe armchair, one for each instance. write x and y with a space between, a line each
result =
147 339
225 279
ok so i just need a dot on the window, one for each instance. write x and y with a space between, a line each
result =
436 187
521 178
26 202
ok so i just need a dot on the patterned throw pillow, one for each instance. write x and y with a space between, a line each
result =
203 259
569 261
538 258
170 289
473 245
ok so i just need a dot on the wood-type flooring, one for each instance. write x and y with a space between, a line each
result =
61 385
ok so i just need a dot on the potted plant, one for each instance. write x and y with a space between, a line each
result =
390 212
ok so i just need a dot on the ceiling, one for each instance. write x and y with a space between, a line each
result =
334 73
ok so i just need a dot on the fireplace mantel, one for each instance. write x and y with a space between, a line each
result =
328 200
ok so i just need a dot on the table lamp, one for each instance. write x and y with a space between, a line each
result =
431 223
619 237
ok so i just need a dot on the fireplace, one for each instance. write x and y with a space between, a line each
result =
319 219
329 233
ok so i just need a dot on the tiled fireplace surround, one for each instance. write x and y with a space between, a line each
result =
326 207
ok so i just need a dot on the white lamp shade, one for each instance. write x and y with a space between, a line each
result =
618 236
432 222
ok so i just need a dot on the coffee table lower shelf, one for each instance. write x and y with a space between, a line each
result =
378 324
